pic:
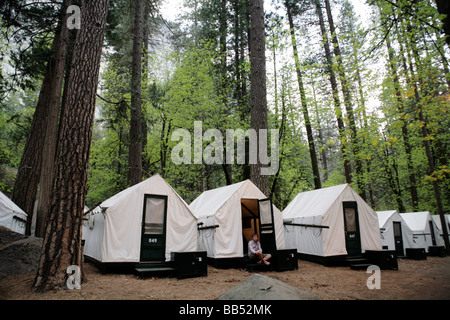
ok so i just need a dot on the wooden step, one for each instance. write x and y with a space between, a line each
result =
145 268
359 266
357 262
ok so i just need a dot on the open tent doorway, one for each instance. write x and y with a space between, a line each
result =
257 217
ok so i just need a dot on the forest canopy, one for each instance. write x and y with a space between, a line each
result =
363 98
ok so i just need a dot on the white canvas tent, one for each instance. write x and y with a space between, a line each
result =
424 229
437 221
317 226
11 216
229 215
395 233
150 211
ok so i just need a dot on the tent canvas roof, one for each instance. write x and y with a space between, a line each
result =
313 203
6 205
8 209
383 216
416 221
437 220
211 201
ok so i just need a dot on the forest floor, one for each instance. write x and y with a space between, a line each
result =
415 280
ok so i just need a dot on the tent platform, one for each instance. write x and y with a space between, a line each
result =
416 253
384 259
328 261
437 251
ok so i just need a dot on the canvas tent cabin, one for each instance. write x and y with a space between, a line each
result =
84 225
228 216
424 229
395 233
331 224
11 216
437 221
143 224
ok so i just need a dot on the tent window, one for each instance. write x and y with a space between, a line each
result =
265 212
154 216
350 219
397 229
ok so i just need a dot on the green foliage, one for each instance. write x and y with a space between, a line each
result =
191 77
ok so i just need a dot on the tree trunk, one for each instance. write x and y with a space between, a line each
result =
336 100
443 7
281 138
46 113
258 98
309 134
347 100
135 149
393 179
62 242
226 167
320 134
145 61
56 66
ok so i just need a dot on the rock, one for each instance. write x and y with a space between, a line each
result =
18 254
259 287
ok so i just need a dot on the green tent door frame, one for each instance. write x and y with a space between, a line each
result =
267 226
398 238
433 236
153 236
351 225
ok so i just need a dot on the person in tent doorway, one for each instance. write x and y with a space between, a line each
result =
255 251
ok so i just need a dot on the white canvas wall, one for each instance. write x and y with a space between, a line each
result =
437 221
386 220
222 207
117 236
418 222
325 206
8 210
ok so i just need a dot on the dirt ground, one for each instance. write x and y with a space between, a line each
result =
415 279
423 279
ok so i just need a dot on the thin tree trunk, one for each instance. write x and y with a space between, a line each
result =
347 101
145 61
336 100
320 134
62 242
56 66
227 168
258 98
405 135
135 149
309 134
281 139
393 179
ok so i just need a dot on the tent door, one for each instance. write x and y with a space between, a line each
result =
266 226
351 223
433 237
153 240
398 239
